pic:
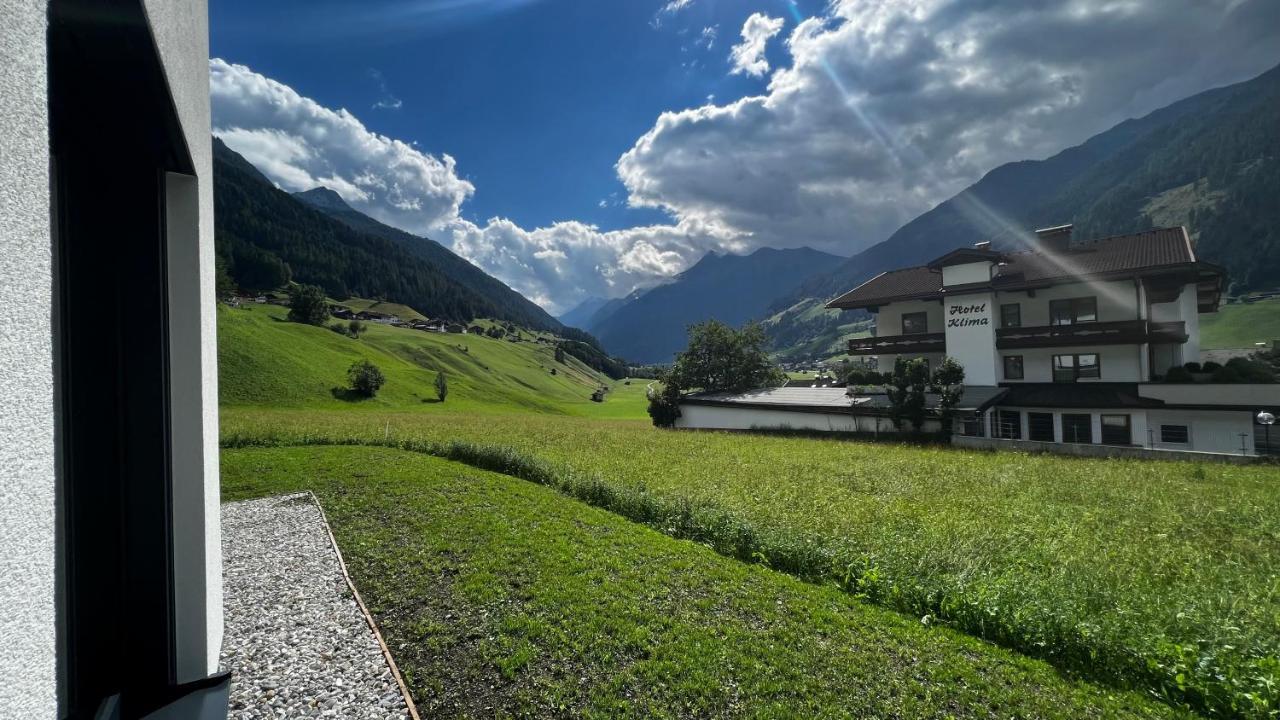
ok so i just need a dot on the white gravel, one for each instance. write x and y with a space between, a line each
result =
295 640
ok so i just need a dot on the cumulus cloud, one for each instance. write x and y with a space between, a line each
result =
747 57
301 144
885 109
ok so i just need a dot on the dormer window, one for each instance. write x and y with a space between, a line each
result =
916 323
1072 311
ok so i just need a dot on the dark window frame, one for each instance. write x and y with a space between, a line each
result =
1069 426
1128 429
1185 430
1017 315
1074 309
1076 375
1021 367
1035 422
1008 424
923 316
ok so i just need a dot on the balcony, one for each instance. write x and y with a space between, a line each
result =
899 344
1121 332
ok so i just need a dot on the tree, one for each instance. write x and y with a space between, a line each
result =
224 286
721 359
664 404
442 386
906 390
258 270
356 327
307 305
948 383
559 354
365 378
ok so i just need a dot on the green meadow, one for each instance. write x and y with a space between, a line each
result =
1241 325
1135 579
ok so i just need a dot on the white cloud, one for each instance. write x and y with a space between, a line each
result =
886 109
748 55
300 144
707 38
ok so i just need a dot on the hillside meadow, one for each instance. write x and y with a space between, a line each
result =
1161 578
1241 325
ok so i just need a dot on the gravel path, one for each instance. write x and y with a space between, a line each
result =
295 641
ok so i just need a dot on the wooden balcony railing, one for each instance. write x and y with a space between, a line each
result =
899 344
1120 332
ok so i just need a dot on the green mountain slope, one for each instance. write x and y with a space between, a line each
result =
1241 325
729 288
1210 161
512 305
253 216
264 360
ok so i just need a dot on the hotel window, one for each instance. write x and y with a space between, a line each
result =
1009 424
1040 427
1077 428
916 323
1069 368
1011 315
1115 430
1073 310
1175 434
1012 367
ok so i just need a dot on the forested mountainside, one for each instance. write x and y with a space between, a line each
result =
518 309
730 288
1210 162
258 225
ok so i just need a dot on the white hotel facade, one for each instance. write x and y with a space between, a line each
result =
1067 344
1064 348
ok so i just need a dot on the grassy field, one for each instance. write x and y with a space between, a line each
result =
263 360
1163 576
502 598
1239 326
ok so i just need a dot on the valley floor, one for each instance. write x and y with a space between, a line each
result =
1144 576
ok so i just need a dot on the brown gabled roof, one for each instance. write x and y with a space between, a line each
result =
1120 255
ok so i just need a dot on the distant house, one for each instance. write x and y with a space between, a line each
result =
455 328
475 330
342 313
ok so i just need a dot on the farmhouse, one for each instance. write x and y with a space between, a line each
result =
1065 347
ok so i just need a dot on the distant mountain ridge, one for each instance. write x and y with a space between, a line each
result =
1225 138
652 327
326 243
1210 161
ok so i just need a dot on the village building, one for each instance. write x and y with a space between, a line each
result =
1065 347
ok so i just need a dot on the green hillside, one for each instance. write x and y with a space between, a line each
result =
1240 325
263 360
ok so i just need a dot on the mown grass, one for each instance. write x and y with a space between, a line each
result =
1161 576
501 598
263 360
1240 326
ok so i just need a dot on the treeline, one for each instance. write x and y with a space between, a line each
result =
264 235
593 356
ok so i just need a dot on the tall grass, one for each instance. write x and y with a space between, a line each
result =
954 572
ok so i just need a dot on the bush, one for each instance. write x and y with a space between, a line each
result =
365 378
1192 367
1244 370
1211 367
864 376
356 328
1178 375
338 328
664 405
442 386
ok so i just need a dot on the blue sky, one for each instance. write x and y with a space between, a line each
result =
535 100
577 148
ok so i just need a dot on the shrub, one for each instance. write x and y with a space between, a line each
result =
1244 370
1211 367
1178 375
307 305
664 405
356 328
864 376
442 386
338 328
365 378
1192 367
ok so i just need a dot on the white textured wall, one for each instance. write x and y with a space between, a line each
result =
709 417
1120 363
28 672
181 30
889 319
971 336
967 273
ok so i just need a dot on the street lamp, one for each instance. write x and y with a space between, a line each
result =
1266 420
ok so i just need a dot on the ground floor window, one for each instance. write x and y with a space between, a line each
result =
1116 430
971 426
1009 424
1175 434
1077 428
1069 368
1040 426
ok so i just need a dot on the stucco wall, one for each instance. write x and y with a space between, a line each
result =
181 31
1116 301
731 418
1119 363
28 673
889 319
